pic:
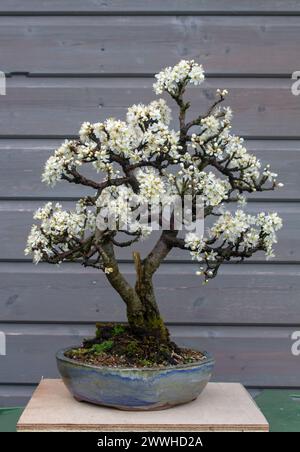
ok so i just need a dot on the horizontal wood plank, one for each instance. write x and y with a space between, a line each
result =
241 294
136 6
15 395
254 356
22 161
57 107
16 218
128 44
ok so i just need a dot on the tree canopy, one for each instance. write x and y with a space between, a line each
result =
141 158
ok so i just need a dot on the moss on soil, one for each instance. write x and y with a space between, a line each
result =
116 346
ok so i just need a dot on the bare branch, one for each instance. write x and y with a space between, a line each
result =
79 179
198 120
159 252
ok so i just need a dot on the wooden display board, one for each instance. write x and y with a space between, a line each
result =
221 407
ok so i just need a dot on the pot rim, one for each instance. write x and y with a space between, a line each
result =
60 356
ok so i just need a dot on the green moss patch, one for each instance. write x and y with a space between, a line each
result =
116 345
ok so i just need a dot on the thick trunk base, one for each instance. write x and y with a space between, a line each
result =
148 324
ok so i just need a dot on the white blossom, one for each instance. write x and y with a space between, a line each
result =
108 270
145 115
85 131
57 228
232 226
211 124
211 256
151 184
248 230
195 244
182 73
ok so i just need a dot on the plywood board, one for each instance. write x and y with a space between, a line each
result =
221 407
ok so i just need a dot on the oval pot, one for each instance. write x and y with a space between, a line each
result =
134 388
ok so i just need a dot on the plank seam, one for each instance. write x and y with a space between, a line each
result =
76 198
17 384
172 261
34 384
169 324
75 136
151 75
221 13
57 137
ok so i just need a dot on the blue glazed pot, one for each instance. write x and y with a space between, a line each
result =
134 388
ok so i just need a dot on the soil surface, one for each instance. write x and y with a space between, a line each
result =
116 346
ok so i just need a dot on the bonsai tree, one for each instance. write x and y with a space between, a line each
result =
140 159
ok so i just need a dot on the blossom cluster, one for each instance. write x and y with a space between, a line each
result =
117 211
251 231
143 135
173 78
244 231
216 142
144 115
189 180
59 229
195 245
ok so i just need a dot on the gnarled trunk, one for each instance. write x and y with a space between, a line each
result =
142 310
153 322
147 322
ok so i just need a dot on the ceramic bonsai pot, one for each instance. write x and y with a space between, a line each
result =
135 388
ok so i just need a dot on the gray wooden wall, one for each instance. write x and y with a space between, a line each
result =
71 60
